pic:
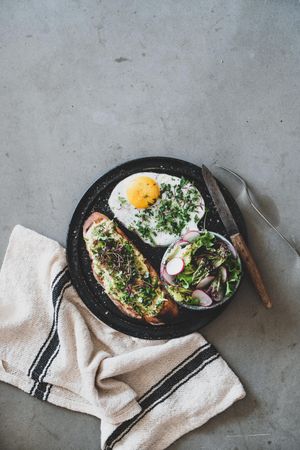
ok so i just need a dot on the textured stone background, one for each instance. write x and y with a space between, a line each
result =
86 85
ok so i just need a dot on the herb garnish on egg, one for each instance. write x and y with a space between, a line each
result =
174 210
158 207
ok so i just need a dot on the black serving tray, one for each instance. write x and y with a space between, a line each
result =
96 199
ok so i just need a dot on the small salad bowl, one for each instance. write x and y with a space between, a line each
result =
202 270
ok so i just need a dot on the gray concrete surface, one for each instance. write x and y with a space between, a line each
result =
86 85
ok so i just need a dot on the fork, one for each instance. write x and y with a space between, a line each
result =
248 193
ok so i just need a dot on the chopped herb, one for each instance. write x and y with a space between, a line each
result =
122 200
124 270
176 206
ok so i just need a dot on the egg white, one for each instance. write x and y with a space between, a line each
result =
127 214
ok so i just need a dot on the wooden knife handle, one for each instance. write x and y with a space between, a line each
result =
253 270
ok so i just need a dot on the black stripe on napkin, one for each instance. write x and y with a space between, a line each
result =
57 285
50 347
176 378
41 390
49 387
51 350
58 275
199 349
38 390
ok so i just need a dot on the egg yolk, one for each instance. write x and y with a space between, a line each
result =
143 192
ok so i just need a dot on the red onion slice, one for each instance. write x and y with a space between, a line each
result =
191 235
223 274
205 282
168 278
182 242
204 299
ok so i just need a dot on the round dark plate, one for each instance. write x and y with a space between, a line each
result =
96 199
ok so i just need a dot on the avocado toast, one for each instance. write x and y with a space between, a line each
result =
126 276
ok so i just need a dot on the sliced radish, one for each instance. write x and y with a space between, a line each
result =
182 242
167 277
205 282
204 299
175 266
191 235
223 272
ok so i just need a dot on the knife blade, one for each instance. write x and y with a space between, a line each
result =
235 236
219 202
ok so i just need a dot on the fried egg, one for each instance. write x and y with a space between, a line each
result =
158 207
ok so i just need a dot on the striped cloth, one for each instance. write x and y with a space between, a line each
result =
146 393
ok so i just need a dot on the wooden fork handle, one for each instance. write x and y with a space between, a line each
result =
252 268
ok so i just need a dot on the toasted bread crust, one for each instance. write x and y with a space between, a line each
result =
169 308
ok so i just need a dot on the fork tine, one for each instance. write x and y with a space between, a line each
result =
248 191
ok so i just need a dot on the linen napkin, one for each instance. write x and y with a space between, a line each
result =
146 393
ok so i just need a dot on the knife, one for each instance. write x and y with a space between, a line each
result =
235 236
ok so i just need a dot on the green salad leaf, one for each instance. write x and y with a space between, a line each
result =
205 240
234 270
206 256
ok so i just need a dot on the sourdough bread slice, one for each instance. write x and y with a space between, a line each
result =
127 277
